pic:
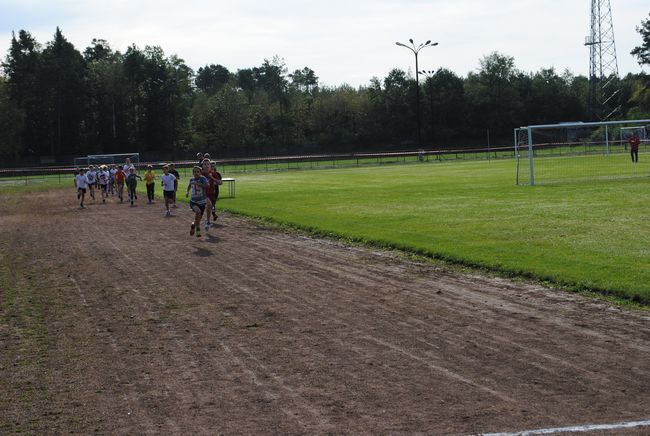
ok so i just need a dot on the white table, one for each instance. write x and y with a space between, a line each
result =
231 186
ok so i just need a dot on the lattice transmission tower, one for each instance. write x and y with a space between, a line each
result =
604 87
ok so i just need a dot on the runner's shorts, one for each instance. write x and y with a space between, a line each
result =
194 204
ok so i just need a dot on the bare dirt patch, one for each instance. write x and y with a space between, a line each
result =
140 328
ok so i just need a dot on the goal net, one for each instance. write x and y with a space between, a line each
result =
107 159
556 153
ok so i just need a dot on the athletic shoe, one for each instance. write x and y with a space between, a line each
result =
207 226
82 206
168 213
214 216
192 227
131 202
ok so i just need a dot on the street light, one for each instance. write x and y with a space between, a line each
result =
416 49
429 74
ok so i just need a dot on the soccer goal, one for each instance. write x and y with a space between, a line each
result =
107 159
555 153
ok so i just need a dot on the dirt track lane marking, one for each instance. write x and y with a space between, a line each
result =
81 294
445 371
576 429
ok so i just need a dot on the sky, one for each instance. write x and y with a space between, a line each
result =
343 41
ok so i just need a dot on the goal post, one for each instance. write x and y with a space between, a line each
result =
107 159
552 153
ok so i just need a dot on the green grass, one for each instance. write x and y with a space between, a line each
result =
582 235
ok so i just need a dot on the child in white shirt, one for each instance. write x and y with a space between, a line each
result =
81 183
169 185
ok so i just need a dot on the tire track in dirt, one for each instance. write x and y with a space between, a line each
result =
498 340
550 371
420 359
134 263
308 307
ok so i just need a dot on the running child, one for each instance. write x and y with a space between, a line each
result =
132 184
172 170
120 178
205 172
213 190
198 184
150 181
111 180
91 175
103 178
81 183
169 184
128 165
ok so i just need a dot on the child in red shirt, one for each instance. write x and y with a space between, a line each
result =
213 190
120 177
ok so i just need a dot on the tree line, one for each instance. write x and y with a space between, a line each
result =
56 100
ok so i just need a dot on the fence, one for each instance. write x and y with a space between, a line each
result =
60 174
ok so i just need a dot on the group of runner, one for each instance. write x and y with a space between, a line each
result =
111 180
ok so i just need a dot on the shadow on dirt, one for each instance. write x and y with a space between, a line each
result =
202 252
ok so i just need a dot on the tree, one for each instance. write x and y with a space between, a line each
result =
446 108
304 80
12 120
399 113
212 78
23 67
271 78
64 72
98 50
642 52
105 120
493 97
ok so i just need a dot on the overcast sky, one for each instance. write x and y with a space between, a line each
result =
342 41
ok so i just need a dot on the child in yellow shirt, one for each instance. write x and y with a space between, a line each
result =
150 181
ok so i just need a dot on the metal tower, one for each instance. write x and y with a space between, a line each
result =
603 67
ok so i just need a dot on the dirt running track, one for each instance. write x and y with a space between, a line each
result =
254 331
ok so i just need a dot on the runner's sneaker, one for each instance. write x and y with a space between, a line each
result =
207 226
192 227
214 216
168 213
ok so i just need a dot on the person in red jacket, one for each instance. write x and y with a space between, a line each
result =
634 142
120 177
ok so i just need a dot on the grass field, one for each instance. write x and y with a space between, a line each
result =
585 235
